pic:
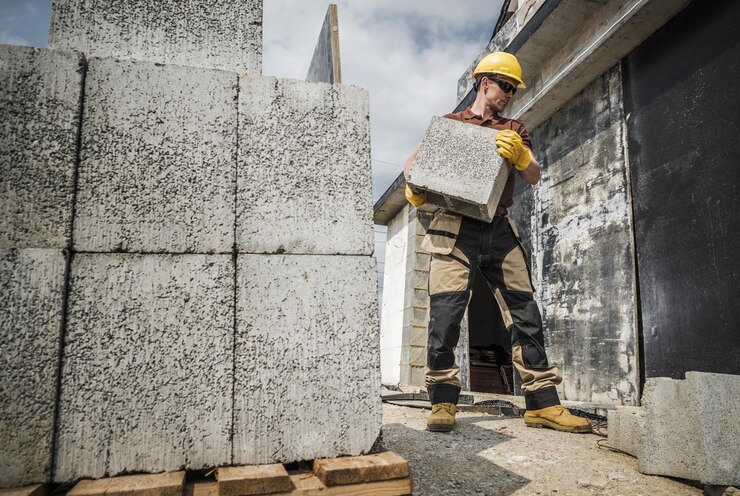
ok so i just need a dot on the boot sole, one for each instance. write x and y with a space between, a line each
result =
540 423
440 428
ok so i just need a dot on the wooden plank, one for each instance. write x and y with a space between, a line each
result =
307 484
201 488
165 484
33 490
358 469
325 64
253 479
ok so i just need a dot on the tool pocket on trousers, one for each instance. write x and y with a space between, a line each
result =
442 233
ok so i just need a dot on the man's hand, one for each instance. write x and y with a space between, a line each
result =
512 148
416 199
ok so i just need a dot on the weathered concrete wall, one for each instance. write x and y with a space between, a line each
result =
158 162
31 289
148 365
583 246
39 121
222 34
304 152
307 365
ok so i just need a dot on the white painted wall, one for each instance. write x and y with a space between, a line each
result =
394 289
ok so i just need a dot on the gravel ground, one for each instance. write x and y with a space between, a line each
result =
488 455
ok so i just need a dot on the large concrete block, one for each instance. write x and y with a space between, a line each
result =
31 308
625 428
158 160
691 428
307 361
39 124
304 180
222 34
459 167
148 365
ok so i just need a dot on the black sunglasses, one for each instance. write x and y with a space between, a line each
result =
504 85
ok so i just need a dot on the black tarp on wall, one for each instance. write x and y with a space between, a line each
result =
682 101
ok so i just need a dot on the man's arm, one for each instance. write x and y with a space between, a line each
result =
410 163
532 173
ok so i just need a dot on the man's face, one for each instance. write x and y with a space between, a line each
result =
496 98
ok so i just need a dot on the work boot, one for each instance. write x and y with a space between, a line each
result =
442 418
558 418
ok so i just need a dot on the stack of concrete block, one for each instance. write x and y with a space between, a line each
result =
39 116
686 428
459 167
307 365
221 294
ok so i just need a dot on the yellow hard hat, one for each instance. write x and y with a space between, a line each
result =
500 63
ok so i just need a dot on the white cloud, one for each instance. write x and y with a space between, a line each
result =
409 54
8 39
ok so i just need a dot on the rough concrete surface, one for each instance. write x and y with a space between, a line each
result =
307 364
304 179
158 159
498 456
31 308
148 361
583 259
625 428
220 34
459 168
39 122
691 428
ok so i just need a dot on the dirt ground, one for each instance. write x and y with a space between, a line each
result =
489 455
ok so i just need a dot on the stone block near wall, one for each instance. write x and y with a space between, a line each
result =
625 428
39 124
691 428
225 34
148 365
304 178
459 167
31 309
158 160
307 362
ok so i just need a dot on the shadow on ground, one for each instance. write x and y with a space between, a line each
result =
449 463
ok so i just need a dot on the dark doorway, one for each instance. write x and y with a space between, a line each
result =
489 343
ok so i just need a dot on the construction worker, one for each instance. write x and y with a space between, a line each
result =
458 243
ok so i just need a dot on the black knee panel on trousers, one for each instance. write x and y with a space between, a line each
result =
527 333
446 311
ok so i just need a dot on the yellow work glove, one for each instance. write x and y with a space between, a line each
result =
416 199
512 148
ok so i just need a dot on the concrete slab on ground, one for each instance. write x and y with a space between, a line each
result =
148 365
624 428
226 35
691 428
459 167
307 368
40 105
158 160
31 309
304 178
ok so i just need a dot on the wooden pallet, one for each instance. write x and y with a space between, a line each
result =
382 474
